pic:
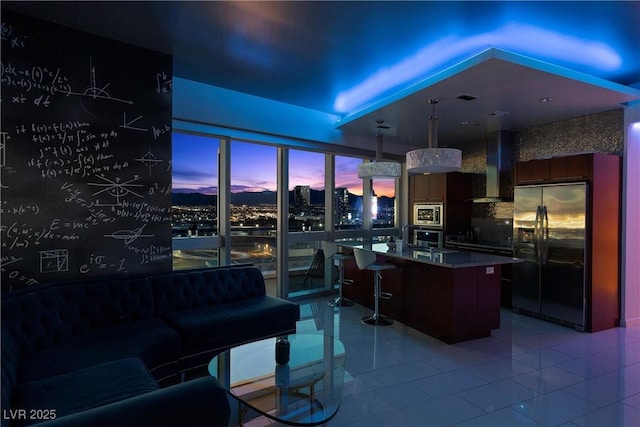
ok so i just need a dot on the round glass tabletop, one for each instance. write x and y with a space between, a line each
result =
306 391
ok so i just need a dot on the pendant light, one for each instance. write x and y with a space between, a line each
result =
379 169
434 159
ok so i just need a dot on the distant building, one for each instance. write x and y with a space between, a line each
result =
342 205
301 198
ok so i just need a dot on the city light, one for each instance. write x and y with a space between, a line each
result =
374 207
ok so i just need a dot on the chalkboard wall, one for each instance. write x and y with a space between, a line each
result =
85 156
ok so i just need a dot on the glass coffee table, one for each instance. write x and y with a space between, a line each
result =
307 391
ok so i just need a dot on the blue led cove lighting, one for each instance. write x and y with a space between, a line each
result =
520 38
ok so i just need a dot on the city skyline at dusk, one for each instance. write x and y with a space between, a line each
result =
254 169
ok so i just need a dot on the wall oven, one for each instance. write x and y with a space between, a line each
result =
427 238
428 214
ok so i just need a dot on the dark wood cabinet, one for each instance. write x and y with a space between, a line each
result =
532 172
506 276
506 287
603 278
453 189
429 188
571 168
556 169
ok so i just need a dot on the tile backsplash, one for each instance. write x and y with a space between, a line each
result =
493 222
599 133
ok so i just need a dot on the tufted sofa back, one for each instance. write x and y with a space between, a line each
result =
201 288
48 315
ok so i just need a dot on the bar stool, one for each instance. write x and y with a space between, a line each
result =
366 260
330 250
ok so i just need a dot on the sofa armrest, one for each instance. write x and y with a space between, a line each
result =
200 402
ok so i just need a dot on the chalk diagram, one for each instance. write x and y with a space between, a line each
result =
53 261
127 124
149 160
95 92
116 189
129 236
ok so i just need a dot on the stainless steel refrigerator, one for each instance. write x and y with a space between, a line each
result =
549 234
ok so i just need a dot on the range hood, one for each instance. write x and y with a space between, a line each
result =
499 185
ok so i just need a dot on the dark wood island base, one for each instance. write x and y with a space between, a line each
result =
452 304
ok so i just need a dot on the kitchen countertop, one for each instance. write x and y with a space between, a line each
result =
479 245
440 257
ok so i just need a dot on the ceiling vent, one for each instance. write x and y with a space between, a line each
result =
379 126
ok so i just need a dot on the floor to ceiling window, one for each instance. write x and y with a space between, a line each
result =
306 191
194 218
250 182
347 194
254 210
306 220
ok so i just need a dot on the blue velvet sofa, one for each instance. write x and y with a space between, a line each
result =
112 352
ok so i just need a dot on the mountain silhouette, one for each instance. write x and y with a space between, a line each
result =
263 198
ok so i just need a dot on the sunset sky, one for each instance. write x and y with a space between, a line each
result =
253 168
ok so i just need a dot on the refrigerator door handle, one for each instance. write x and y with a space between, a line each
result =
537 237
545 235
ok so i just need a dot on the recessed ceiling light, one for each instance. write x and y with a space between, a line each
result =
545 99
498 114
467 97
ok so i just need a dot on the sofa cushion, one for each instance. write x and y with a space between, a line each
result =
201 402
86 388
151 340
202 288
45 316
225 325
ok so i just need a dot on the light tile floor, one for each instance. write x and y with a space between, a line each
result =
528 373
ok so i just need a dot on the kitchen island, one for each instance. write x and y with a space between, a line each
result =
451 295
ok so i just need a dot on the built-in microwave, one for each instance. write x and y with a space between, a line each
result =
429 214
